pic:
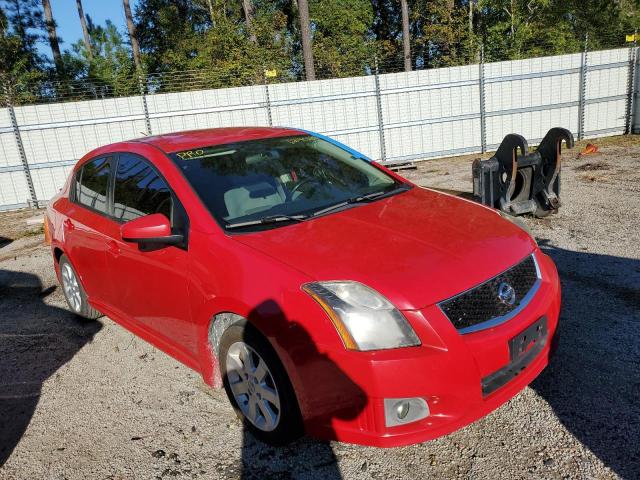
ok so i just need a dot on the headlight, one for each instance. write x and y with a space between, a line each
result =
365 320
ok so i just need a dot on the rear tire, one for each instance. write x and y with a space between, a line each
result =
73 291
257 385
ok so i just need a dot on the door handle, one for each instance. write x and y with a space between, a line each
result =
113 249
68 224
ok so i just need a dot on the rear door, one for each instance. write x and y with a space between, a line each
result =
86 223
149 285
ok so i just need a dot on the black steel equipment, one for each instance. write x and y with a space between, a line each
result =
518 182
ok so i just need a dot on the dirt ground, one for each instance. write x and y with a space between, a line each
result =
85 400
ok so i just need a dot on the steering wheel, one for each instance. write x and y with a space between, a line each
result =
301 183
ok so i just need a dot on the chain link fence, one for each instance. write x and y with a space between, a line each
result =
389 114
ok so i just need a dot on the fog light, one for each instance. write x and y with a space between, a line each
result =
399 411
403 410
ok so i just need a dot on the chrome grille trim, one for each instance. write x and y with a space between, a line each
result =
492 322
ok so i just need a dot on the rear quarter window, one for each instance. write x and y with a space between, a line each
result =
92 184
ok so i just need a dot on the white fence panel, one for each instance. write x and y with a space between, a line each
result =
606 92
14 191
227 107
9 155
530 96
56 135
431 113
344 109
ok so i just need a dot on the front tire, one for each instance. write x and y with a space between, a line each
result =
74 292
258 386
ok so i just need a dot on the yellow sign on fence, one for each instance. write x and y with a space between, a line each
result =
270 73
633 37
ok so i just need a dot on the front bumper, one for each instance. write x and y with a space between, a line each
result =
447 371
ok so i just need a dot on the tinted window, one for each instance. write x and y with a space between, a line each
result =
92 183
288 175
139 190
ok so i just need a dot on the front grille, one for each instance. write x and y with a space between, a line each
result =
481 307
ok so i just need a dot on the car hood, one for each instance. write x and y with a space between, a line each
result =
417 247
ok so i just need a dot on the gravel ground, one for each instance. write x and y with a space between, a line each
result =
89 400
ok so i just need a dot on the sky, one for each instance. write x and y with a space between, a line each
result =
65 14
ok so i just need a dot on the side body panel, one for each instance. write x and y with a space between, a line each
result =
80 232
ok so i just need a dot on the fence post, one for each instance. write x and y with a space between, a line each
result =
635 108
267 96
630 85
383 147
583 88
33 200
143 94
483 113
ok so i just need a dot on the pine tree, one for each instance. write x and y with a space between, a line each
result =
21 66
133 37
306 40
50 25
85 30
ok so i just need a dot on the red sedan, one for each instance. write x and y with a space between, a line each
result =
326 293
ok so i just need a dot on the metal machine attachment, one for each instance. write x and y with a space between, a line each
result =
518 182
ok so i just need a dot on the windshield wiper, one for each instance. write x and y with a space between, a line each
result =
267 220
270 219
362 198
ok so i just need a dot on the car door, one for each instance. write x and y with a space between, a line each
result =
149 285
87 220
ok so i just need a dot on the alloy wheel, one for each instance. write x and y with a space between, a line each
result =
253 387
71 287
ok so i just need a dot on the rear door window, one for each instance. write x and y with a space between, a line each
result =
139 190
92 184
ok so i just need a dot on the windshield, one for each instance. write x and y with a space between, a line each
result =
269 178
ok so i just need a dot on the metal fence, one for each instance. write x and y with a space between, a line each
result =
391 117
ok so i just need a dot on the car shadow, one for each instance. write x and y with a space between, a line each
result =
306 457
36 339
593 382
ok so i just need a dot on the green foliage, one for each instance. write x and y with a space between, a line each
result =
110 71
20 63
445 38
170 32
211 50
605 21
342 42
515 29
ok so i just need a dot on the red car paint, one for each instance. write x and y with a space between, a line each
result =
416 248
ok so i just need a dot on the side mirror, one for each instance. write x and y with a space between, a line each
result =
150 229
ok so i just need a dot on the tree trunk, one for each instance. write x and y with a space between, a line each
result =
305 33
472 41
447 44
247 6
85 30
406 38
53 36
132 35
512 15
212 12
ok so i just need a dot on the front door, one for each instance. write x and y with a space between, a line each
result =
149 286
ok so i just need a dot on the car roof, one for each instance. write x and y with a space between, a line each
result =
187 140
